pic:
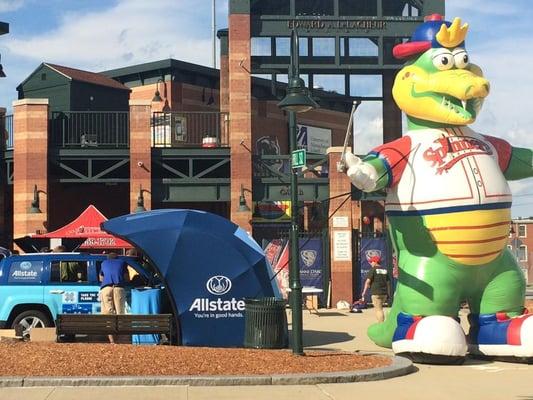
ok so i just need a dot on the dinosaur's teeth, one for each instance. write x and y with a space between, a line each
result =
464 103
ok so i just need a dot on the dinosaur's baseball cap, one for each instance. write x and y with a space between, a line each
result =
431 35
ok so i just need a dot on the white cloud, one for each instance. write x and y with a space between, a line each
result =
10 5
133 31
368 125
482 8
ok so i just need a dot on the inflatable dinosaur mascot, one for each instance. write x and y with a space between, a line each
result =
449 209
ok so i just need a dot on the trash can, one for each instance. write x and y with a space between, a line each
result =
265 323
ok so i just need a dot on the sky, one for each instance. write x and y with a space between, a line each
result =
97 35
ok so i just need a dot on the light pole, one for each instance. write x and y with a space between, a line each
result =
297 100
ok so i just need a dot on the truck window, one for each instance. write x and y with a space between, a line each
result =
135 278
68 271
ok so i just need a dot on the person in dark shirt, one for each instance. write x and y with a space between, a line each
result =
378 281
113 277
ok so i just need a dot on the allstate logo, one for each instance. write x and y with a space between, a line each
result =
25 265
308 257
218 285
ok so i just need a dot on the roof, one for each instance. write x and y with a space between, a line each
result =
87 225
169 63
522 220
86 76
79 75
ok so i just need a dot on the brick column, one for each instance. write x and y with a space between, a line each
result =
340 231
224 70
30 158
140 152
240 107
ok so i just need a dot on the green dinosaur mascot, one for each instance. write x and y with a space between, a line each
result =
448 206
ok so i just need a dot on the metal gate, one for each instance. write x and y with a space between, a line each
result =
314 259
366 245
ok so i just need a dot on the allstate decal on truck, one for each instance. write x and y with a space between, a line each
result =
25 271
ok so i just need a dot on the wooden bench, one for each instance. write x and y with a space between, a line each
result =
109 324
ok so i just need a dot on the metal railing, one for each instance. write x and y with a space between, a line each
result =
90 129
6 126
190 129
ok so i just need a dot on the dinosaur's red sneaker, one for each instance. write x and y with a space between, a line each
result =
435 339
498 335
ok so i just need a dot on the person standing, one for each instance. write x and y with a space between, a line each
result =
68 269
378 281
113 277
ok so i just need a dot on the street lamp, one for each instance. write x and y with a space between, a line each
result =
157 95
296 100
140 201
34 208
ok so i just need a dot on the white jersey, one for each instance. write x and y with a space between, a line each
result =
455 167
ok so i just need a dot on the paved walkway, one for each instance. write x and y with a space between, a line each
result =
335 330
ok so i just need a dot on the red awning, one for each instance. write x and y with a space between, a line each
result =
87 225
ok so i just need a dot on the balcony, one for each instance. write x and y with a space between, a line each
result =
190 129
89 129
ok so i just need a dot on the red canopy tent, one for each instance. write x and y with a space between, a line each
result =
87 225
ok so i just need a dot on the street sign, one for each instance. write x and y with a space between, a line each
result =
298 158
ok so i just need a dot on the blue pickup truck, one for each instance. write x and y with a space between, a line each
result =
35 287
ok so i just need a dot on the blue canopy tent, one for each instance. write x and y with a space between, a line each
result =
208 265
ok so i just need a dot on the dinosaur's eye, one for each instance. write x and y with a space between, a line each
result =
460 57
442 59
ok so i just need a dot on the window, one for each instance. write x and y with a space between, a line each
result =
283 46
522 230
329 83
368 131
397 8
313 7
270 7
358 8
366 85
358 47
323 47
261 46
135 278
522 253
67 271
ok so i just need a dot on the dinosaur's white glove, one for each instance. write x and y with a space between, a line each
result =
363 175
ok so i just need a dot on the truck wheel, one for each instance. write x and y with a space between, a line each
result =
31 319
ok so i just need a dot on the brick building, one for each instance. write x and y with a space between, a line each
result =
521 245
216 140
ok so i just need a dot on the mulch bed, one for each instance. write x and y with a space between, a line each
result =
92 359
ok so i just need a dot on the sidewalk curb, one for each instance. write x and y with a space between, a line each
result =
400 366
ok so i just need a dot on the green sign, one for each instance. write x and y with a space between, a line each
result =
298 158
